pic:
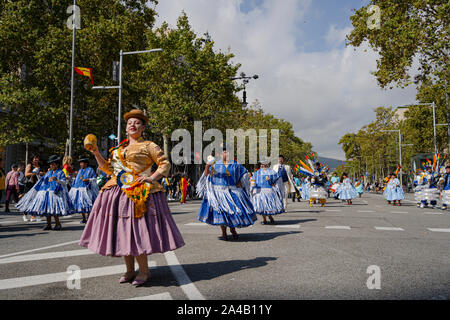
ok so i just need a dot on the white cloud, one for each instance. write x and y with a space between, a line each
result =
323 94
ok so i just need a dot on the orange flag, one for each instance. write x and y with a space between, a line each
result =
87 72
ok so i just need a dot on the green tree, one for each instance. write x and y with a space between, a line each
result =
35 66
409 29
187 82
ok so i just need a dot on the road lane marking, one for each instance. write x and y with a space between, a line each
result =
182 278
295 226
159 296
366 211
338 227
434 213
15 222
438 230
331 210
389 229
195 224
74 223
21 282
38 249
399 212
47 255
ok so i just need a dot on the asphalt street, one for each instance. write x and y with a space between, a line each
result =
369 250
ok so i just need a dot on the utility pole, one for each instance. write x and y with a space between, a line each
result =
120 87
74 31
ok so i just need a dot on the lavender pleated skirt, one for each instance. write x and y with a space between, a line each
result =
112 229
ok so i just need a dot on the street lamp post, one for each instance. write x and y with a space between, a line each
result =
120 86
246 81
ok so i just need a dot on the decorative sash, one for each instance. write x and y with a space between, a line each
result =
136 191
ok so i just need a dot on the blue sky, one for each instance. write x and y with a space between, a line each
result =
297 47
314 26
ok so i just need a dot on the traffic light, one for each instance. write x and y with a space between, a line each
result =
244 98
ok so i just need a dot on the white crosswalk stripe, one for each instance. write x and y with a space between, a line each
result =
159 296
389 229
294 226
48 255
63 276
338 227
439 230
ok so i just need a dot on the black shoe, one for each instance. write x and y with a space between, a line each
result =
264 222
235 236
49 227
224 237
57 228
83 221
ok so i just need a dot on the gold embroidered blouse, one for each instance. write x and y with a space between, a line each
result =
140 157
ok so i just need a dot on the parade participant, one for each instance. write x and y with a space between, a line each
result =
429 193
446 189
317 190
359 187
49 196
224 187
22 180
346 190
334 178
285 172
394 191
335 183
2 180
84 190
183 188
12 186
32 173
298 187
305 188
267 192
131 217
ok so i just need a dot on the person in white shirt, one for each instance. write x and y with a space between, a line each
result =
285 172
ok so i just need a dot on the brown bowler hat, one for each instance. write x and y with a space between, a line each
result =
136 113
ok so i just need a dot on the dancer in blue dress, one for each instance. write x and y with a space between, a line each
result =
267 192
394 191
359 187
446 189
224 187
85 190
305 188
346 190
49 197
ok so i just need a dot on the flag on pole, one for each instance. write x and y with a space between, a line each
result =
87 72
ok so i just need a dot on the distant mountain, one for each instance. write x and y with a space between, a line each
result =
330 162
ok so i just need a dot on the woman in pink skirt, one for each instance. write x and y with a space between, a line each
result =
131 218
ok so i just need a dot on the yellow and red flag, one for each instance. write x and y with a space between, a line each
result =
87 72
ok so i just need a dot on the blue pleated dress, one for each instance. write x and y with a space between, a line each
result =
83 194
267 193
48 198
394 191
224 202
305 190
346 190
